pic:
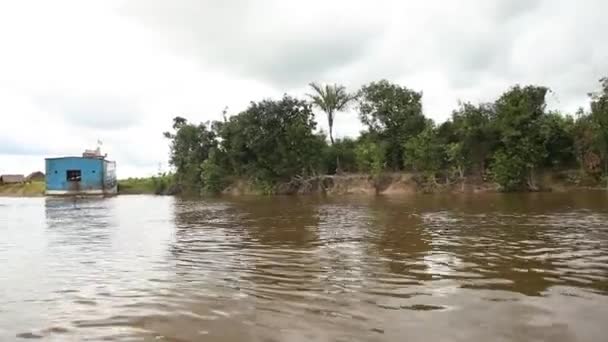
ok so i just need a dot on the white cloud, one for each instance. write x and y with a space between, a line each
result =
72 72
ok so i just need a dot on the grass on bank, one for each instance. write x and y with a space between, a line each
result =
35 188
150 185
157 185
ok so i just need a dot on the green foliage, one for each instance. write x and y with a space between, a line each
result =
394 114
599 106
556 131
474 132
276 141
509 170
162 182
587 143
190 146
599 116
264 187
369 156
272 141
424 152
457 158
518 118
342 152
157 185
212 177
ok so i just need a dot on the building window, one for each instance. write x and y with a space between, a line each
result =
73 175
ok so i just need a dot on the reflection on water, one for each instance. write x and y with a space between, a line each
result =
490 267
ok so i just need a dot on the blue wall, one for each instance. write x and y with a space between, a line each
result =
92 171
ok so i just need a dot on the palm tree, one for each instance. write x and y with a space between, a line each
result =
330 99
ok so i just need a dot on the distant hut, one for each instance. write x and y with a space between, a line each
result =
35 177
12 179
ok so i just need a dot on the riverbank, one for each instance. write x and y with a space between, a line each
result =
157 185
130 186
31 189
335 185
398 183
407 184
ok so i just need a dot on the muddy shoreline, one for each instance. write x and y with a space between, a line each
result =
354 184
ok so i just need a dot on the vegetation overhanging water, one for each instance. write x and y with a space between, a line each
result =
273 146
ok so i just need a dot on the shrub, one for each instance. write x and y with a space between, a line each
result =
509 171
212 177
370 156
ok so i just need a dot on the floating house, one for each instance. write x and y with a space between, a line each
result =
91 174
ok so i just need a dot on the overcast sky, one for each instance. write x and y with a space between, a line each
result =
73 72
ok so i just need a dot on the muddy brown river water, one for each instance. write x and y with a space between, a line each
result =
495 267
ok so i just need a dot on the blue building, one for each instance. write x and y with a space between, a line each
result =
90 174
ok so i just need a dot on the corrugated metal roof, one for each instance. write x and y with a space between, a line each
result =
12 179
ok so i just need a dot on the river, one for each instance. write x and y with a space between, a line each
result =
492 267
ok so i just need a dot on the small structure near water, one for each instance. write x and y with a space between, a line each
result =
36 176
12 179
91 174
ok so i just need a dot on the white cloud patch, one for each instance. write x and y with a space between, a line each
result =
105 112
274 41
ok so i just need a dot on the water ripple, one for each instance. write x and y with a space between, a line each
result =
156 268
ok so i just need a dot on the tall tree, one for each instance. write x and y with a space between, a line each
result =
587 144
425 152
474 134
272 141
190 146
557 132
518 117
599 114
330 99
393 114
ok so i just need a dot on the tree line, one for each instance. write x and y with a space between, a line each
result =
508 141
